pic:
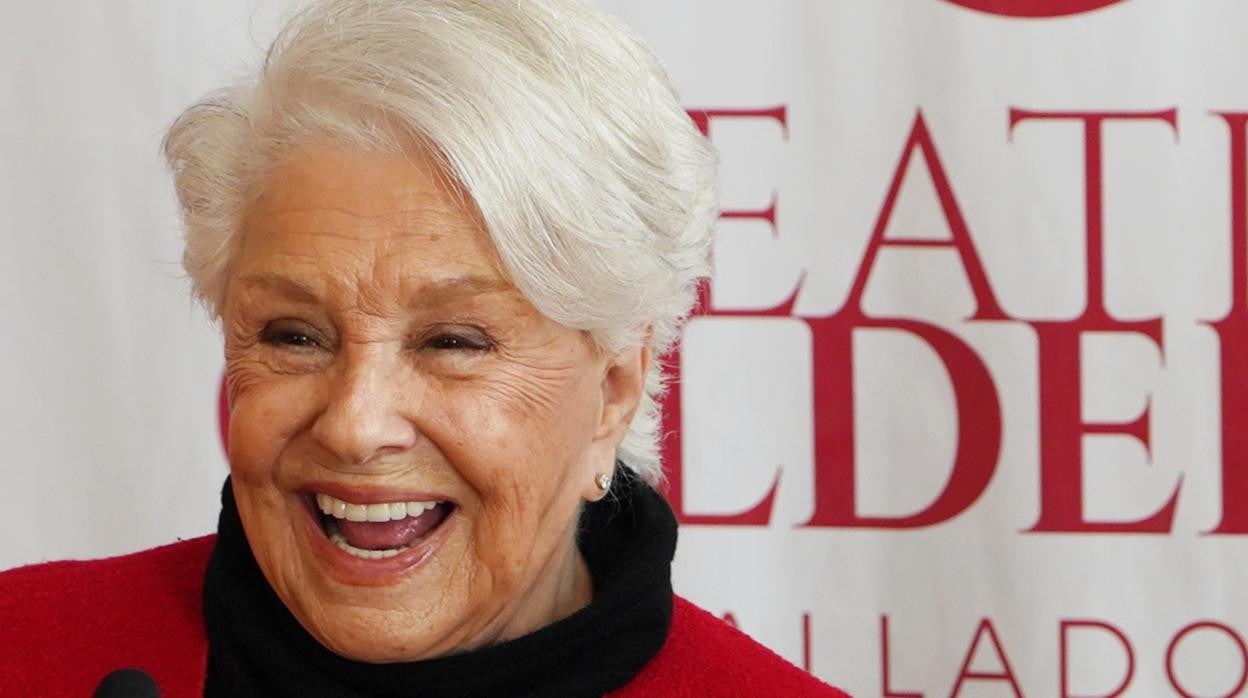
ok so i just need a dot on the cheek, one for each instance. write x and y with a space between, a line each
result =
265 415
516 434
267 523
520 442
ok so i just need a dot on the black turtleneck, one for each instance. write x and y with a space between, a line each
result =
257 648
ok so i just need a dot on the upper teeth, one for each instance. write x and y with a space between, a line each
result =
389 511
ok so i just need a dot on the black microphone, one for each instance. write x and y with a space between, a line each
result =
127 683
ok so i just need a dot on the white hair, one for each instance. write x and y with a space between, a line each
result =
595 187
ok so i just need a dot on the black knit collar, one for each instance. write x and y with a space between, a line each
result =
257 648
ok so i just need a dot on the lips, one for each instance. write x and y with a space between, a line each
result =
376 530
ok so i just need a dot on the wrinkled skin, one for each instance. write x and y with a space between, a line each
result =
372 340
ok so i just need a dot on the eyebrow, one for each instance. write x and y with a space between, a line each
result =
433 292
284 285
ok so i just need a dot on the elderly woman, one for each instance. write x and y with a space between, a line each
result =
446 241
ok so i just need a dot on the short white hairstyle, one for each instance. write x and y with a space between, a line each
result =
595 187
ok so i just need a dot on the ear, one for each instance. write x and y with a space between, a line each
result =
623 385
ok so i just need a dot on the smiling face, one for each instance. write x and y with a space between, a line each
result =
377 356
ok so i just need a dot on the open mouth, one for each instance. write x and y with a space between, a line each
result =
379 530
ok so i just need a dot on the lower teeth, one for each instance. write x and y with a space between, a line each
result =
341 542
336 537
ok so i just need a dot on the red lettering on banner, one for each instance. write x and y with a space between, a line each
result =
1034 8
1093 199
1062 426
1212 625
1062 655
1233 341
975 394
1005 674
967 677
886 690
974 391
920 139
673 444
702 118
976 403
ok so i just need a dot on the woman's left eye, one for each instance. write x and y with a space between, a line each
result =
455 341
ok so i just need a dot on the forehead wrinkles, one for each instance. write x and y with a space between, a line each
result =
383 249
374 230
426 223
376 281
410 188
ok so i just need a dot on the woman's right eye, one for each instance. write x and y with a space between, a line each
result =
283 335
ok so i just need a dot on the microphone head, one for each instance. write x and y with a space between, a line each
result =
127 683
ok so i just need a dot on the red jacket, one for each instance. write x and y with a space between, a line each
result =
66 625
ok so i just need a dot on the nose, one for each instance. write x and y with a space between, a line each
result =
364 419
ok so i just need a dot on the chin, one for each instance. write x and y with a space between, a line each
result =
362 637
400 608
